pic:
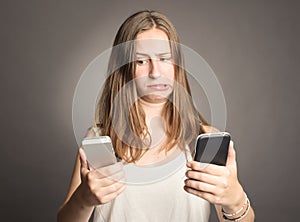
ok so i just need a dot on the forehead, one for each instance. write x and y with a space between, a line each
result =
153 41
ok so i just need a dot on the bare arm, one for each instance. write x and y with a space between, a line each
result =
89 188
73 208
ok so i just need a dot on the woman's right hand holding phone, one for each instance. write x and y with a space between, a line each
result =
102 185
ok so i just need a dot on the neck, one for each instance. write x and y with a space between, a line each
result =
152 109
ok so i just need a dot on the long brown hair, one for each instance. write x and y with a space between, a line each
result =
119 113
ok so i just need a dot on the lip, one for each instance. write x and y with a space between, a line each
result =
159 87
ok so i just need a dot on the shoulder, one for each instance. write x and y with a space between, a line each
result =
209 129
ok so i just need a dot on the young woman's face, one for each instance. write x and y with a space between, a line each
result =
154 69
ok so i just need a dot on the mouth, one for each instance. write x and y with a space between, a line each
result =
159 87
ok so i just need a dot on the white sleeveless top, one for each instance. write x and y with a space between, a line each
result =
163 200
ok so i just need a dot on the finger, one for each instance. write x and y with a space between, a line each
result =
205 195
112 195
113 188
114 172
99 175
203 177
83 160
106 181
117 177
111 169
231 159
200 186
207 168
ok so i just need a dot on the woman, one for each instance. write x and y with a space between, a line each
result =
147 110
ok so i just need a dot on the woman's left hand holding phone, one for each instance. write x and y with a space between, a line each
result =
217 184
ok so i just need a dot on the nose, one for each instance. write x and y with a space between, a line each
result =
154 70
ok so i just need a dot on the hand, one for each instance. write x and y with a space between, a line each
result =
102 185
217 184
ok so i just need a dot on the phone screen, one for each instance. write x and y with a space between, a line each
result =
99 152
212 148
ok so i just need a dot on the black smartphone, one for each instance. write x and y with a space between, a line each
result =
212 148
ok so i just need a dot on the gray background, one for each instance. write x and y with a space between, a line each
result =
253 47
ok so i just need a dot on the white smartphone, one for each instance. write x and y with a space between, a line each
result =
212 148
99 151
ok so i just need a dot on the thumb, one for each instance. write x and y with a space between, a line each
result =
83 160
231 158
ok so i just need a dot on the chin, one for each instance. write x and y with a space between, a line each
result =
154 98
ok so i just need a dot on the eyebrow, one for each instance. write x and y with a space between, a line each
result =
158 54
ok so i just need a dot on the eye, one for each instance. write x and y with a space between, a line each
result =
142 61
166 59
